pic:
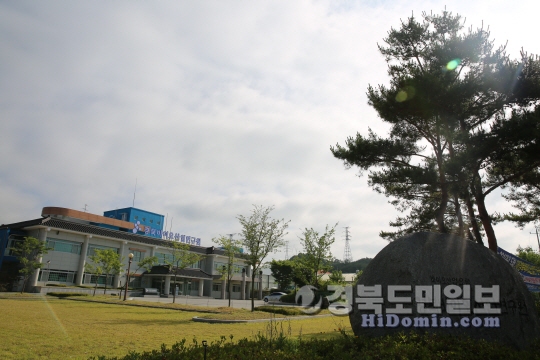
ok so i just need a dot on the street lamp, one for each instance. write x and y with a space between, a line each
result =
127 280
205 344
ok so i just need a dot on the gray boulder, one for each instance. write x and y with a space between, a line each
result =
444 284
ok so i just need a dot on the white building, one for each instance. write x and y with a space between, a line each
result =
73 236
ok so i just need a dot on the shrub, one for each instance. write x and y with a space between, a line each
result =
56 285
292 311
289 298
280 346
65 294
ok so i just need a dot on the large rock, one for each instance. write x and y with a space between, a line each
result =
456 268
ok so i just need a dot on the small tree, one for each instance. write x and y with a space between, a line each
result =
231 248
261 235
180 259
336 277
302 275
28 252
94 269
528 254
357 276
147 263
283 272
105 262
317 256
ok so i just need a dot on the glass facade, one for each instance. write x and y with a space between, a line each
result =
57 275
237 269
64 246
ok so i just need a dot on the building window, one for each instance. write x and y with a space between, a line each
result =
236 288
236 269
100 280
64 246
216 287
92 249
57 275
13 239
137 255
168 258
164 258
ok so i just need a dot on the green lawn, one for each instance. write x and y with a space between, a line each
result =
41 327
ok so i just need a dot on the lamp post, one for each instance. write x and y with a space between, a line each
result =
205 344
127 279
48 269
260 285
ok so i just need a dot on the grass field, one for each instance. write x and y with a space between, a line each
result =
41 327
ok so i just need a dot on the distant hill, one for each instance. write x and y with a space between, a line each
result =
345 268
351 267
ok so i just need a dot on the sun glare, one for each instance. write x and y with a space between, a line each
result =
453 64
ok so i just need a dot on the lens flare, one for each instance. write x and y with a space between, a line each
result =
401 96
406 94
55 317
453 64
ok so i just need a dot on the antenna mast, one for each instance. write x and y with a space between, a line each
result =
537 237
347 257
134 192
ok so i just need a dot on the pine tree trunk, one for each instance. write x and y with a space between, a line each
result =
472 218
439 214
485 218
461 229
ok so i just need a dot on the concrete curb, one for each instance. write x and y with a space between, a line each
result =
198 319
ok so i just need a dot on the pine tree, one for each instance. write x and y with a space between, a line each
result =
456 106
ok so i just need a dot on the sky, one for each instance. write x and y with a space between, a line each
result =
207 108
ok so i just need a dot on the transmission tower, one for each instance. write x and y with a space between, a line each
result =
347 257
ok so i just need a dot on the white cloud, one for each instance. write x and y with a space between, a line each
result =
211 106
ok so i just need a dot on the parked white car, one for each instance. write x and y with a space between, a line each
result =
275 296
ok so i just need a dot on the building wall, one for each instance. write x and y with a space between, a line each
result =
66 261
143 217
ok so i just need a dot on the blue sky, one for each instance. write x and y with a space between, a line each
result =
211 106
